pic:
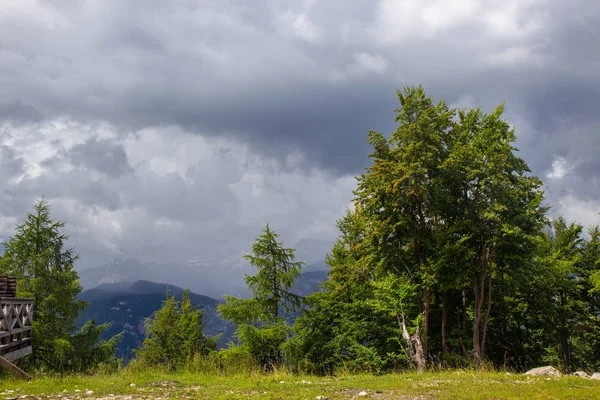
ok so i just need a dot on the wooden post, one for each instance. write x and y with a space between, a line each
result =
16 371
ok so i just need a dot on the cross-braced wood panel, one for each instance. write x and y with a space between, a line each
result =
16 315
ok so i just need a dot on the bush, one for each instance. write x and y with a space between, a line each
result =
237 360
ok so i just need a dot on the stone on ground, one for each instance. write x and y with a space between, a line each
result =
581 374
595 376
543 371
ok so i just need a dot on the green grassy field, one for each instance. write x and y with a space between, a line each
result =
450 385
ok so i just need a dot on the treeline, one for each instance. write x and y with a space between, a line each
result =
448 259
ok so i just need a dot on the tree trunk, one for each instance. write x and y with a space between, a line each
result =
477 355
479 292
445 346
487 313
425 325
565 353
414 344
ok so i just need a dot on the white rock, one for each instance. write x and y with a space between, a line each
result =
132 384
281 382
322 398
595 376
89 392
543 371
581 374
363 393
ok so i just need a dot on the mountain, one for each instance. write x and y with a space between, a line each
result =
309 282
126 305
211 277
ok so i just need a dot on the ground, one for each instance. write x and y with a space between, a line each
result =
449 385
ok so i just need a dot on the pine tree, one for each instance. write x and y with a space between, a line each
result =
175 334
261 326
36 254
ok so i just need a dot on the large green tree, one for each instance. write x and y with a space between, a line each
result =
446 210
38 256
495 207
262 328
403 196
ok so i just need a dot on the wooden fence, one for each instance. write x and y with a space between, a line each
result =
16 315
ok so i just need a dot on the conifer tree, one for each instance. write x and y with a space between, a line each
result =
45 269
261 326
175 334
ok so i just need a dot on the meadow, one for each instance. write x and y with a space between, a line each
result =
445 385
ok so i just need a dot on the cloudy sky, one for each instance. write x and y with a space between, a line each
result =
167 130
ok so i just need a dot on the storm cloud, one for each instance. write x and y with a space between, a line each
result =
165 130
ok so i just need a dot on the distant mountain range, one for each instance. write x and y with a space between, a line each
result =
126 305
211 276
125 292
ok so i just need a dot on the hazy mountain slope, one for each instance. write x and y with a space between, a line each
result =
127 305
212 278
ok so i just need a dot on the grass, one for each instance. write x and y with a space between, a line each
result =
448 385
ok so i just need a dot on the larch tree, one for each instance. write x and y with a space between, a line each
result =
45 268
262 328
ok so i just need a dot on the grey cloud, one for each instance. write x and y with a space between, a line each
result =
237 70
11 164
278 77
17 111
100 155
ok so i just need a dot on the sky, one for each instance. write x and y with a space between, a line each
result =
165 131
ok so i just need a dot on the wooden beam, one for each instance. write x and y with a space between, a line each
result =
19 353
16 371
6 347
14 331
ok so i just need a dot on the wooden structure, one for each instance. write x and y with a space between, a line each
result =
16 316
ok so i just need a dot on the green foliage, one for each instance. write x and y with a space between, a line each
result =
36 254
238 360
447 219
175 335
262 330
340 327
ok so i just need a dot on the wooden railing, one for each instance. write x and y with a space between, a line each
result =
16 315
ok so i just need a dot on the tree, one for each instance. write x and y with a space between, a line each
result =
343 326
175 334
36 254
261 326
403 197
446 210
496 208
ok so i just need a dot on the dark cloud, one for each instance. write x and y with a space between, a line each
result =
221 116
103 156
286 77
17 111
